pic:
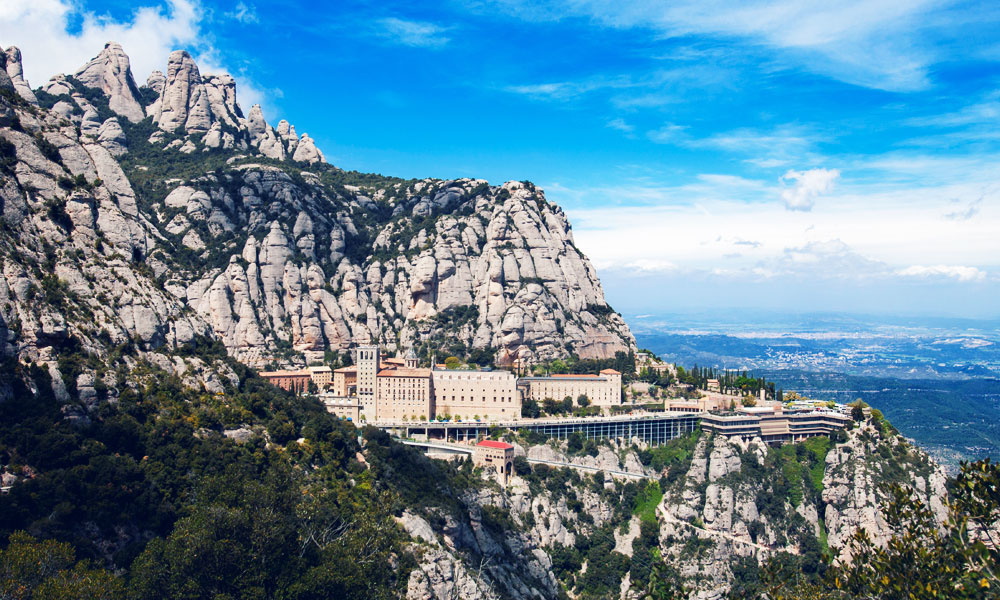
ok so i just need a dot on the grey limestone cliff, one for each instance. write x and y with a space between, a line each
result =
197 222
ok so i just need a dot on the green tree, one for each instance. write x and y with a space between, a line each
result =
530 409
922 560
47 570
583 400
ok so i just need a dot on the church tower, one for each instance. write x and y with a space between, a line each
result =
367 362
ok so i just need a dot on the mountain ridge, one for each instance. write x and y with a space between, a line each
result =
241 232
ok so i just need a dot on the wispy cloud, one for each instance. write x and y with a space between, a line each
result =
620 125
986 111
244 13
957 272
780 146
419 34
883 44
669 133
966 212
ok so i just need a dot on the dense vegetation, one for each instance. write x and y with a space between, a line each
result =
922 560
153 501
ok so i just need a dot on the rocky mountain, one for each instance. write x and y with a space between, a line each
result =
721 509
158 214
152 235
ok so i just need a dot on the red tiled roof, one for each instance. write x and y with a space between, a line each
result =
492 444
610 372
404 373
302 373
574 375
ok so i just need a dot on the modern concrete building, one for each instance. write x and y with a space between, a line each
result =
602 390
773 424
498 456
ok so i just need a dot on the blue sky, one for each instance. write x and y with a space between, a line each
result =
789 155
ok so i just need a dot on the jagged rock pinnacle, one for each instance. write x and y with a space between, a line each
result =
111 73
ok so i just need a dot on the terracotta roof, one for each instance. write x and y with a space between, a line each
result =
284 373
404 373
610 372
492 444
573 375
350 369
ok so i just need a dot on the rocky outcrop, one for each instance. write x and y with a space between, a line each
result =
853 488
156 82
729 503
184 103
110 72
267 260
71 271
15 72
112 137
306 151
730 500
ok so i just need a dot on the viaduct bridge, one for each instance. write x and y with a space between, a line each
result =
652 428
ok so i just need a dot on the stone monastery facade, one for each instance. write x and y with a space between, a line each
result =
378 388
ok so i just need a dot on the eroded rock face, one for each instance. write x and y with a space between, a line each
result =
511 262
112 137
306 151
854 490
729 498
15 72
299 261
110 72
184 102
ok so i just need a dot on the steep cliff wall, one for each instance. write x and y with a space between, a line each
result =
165 214
727 507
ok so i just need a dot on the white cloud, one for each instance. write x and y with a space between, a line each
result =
968 211
808 185
669 133
620 125
38 28
872 232
960 273
884 44
419 34
246 14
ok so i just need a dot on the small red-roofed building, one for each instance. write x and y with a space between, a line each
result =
498 456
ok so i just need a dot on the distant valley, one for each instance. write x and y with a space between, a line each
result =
935 379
